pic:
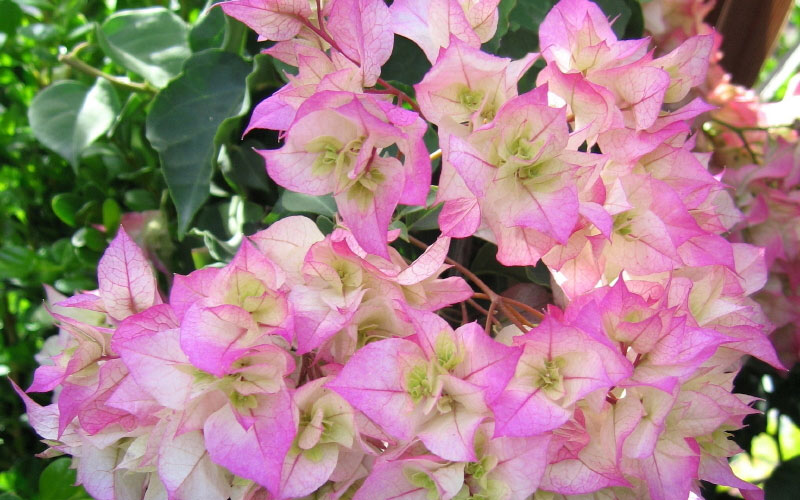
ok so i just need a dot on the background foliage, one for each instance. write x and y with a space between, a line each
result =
109 107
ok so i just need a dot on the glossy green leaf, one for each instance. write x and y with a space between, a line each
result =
183 122
152 42
111 215
57 480
325 224
209 31
303 203
65 206
68 116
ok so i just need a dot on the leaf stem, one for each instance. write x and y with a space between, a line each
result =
71 60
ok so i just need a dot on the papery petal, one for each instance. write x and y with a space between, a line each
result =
257 453
303 475
362 29
390 480
214 337
373 381
126 280
287 242
271 19
186 470
369 221
149 344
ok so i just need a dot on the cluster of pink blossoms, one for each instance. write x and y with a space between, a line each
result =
755 144
316 366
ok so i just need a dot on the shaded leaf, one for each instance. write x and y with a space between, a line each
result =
152 42
618 11
208 32
303 203
57 480
504 9
11 18
529 14
65 206
782 484
407 64
184 120
68 116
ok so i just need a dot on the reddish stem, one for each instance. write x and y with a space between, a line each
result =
489 316
492 295
320 32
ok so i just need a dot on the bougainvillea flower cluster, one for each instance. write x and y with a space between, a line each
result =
316 366
755 145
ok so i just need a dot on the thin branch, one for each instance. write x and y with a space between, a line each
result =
322 33
489 316
71 59
460 268
494 296
477 307
401 96
740 133
514 303
535 312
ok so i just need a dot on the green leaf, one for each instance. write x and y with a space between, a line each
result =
152 42
325 224
111 215
183 122
65 206
504 9
11 18
635 27
39 32
139 200
303 203
538 274
529 14
209 31
89 237
518 43
782 484
9 496
16 261
407 64
243 167
618 11
68 116
57 480
485 264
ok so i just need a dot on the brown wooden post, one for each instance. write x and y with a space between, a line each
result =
750 29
